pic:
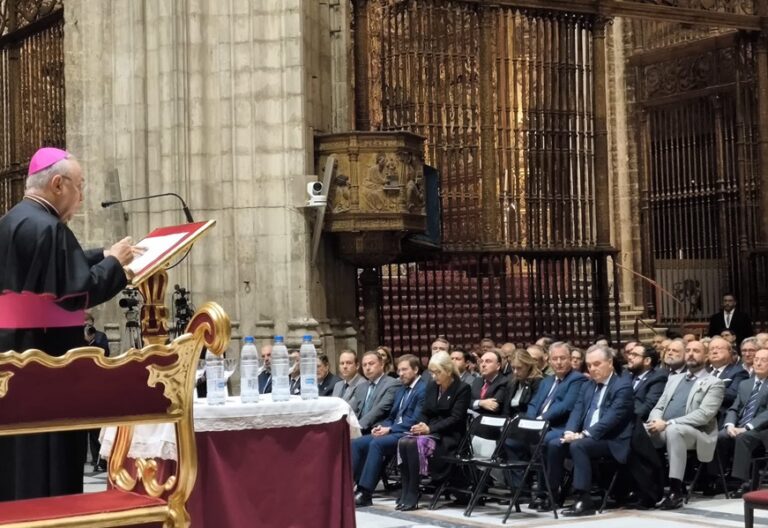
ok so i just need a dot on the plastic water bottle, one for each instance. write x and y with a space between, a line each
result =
249 371
308 356
280 384
216 381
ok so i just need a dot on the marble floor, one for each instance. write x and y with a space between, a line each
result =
698 513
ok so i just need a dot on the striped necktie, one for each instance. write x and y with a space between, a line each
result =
751 407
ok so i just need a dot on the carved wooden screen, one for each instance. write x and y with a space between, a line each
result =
31 88
418 68
702 174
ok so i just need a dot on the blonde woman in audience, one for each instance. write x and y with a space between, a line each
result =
525 381
438 431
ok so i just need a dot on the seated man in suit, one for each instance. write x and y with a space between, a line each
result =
685 417
265 378
370 451
599 426
374 399
326 380
553 402
490 389
648 380
674 357
749 348
746 425
726 367
460 358
349 369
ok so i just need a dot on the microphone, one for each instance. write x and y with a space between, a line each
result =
184 207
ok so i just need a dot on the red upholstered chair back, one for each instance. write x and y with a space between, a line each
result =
83 388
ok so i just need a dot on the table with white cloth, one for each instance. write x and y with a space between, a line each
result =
264 464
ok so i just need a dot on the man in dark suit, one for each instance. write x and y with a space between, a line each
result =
265 378
645 466
648 381
375 398
599 426
490 389
731 319
369 452
99 339
553 402
746 424
326 381
725 367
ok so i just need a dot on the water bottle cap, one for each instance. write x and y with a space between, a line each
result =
308 338
248 339
278 339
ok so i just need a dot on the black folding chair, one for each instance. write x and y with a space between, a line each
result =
696 476
530 433
490 428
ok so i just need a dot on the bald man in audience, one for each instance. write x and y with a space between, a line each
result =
685 417
349 370
490 389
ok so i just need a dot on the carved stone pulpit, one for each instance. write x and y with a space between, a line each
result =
376 196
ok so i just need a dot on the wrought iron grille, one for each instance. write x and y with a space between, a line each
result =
513 297
702 175
32 106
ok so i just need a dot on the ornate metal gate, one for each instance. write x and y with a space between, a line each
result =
31 88
699 143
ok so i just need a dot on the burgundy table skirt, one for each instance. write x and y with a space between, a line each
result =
292 477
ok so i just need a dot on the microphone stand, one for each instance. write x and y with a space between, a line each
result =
187 214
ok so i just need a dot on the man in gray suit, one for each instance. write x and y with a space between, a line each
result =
746 424
350 377
685 417
375 398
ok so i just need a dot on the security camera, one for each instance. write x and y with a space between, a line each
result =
317 197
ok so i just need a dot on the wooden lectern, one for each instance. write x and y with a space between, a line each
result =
162 247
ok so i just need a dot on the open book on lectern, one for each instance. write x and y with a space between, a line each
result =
162 246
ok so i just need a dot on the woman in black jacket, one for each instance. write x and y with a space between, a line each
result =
442 425
525 380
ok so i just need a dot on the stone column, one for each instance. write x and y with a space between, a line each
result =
217 101
369 279
600 109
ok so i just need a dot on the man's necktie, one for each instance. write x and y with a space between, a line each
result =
484 390
368 399
593 406
751 407
345 390
636 382
550 396
728 317
403 402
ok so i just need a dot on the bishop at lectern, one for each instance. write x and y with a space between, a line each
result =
46 281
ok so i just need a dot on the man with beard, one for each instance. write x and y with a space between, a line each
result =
644 467
685 417
369 452
648 381
674 357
